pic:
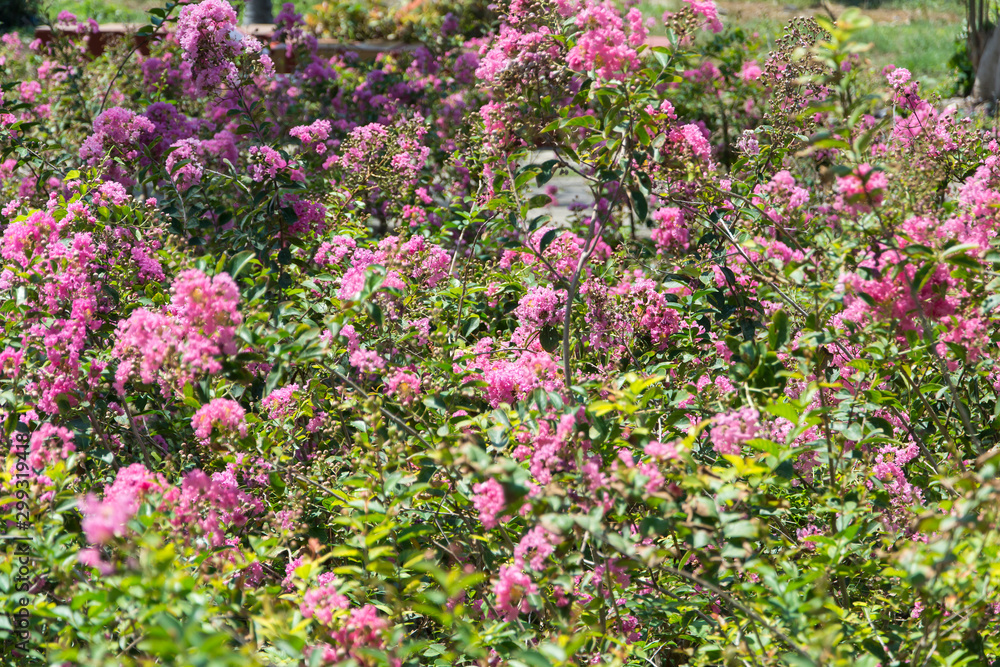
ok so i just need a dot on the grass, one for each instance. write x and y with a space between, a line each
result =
919 35
127 11
923 47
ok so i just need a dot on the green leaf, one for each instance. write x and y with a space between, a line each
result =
550 338
639 204
581 121
538 201
990 303
777 333
239 263
497 435
546 175
547 240
470 325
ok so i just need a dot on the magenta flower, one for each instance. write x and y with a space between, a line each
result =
489 501
732 429
223 413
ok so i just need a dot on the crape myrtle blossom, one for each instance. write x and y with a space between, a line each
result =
223 414
314 134
175 345
488 501
602 45
707 9
732 429
116 135
211 44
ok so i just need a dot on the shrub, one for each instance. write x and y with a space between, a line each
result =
300 368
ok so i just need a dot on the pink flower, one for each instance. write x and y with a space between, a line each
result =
661 450
333 251
265 162
367 361
173 347
512 589
751 71
185 150
10 362
207 507
803 533
707 9
111 192
116 134
207 34
279 403
48 445
898 77
637 31
29 89
323 600
223 413
91 557
863 186
670 233
403 384
732 429
540 306
489 501
602 46
103 520
316 132
536 545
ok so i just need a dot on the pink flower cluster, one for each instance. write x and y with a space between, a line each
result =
513 48
211 43
707 9
512 588
204 507
602 46
222 413
323 600
537 544
489 501
404 385
335 250
362 631
370 143
265 162
541 306
61 267
425 263
732 429
280 402
185 151
508 381
316 133
117 132
48 445
175 345
862 189
670 234
105 519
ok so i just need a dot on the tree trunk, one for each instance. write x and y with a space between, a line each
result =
977 16
259 11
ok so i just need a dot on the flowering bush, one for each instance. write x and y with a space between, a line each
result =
302 369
